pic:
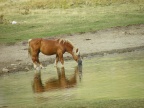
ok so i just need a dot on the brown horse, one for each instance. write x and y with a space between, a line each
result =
51 47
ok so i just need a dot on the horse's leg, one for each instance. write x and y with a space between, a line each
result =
40 64
56 60
61 58
35 59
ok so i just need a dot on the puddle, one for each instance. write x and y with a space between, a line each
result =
100 78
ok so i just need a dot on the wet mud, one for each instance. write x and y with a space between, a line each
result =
26 67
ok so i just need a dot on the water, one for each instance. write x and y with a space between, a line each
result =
117 76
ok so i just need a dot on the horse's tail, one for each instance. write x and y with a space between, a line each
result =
29 48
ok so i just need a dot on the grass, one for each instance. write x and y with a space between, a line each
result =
121 103
106 104
38 22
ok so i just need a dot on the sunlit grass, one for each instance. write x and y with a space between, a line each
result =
59 21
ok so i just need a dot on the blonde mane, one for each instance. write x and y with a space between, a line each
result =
64 41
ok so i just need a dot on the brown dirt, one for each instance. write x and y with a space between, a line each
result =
112 40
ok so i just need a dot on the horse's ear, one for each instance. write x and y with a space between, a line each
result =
76 50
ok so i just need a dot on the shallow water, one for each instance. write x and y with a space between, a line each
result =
117 76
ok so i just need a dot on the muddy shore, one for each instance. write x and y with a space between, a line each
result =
14 58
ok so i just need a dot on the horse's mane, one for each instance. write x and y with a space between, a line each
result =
64 41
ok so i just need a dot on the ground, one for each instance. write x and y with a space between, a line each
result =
15 57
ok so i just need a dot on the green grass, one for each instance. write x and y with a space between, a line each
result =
105 104
121 103
59 21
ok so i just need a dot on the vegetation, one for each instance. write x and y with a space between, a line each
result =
51 4
119 103
44 18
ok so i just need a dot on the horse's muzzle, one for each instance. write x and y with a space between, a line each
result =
79 62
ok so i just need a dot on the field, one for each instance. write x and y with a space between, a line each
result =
34 20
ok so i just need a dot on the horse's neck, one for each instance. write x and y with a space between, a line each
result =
69 48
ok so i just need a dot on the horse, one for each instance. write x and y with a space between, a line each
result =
51 47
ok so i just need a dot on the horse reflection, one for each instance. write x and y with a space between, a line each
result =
53 84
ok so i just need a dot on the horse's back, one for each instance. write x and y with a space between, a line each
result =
49 46
48 42
34 45
46 46
35 42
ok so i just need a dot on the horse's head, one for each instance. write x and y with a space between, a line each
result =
70 48
76 54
